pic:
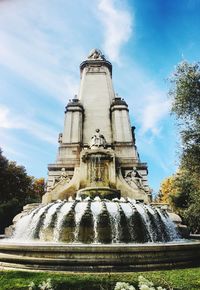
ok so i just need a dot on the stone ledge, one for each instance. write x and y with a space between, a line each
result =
102 258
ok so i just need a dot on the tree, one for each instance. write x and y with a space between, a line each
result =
37 190
166 190
192 213
176 190
185 93
16 190
184 190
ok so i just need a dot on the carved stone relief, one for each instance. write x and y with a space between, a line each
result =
134 178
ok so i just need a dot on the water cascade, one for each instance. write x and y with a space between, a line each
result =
96 221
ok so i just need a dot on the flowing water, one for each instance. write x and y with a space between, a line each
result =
96 221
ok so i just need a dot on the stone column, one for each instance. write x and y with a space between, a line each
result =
73 122
120 121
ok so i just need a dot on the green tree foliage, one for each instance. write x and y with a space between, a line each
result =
184 190
185 198
185 94
16 190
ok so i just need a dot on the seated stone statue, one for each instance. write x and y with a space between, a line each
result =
133 177
64 175
97 140
57 180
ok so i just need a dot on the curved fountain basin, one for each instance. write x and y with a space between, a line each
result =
99 257
95 221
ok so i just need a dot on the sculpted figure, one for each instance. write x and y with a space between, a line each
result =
96 54
54 182
58 180
98 140
134 177
64 175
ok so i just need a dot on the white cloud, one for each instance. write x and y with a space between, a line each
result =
153 112
36 65
117 24
6 119
29 47
40 50
10 120
148 102
42 131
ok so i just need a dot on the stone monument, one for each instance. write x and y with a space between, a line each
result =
97 147
95 215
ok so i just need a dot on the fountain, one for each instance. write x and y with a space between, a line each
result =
96 221
96 214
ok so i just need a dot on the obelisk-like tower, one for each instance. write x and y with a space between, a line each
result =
97 127
96 94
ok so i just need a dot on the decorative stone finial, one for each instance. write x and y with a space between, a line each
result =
96 54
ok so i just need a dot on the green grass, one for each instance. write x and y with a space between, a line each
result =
182 279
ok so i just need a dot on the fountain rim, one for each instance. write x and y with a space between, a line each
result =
99 257
12 244
37 245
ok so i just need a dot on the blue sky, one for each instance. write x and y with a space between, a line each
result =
41 46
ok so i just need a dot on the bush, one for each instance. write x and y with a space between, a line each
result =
8 210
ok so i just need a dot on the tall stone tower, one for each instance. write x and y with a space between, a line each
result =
97 154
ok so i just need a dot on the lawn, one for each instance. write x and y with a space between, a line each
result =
181 279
